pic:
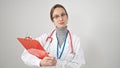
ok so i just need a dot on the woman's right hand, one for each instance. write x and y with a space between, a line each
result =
48 61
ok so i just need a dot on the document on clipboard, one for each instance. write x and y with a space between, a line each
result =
33 47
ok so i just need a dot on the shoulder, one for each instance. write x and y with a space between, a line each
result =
76 40
42 38
75 37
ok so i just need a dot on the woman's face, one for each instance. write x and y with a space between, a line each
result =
59 17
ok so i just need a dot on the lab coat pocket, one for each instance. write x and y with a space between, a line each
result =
70 57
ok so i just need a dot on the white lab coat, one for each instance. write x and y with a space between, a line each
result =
68 59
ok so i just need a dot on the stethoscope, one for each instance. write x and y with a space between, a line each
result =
49 38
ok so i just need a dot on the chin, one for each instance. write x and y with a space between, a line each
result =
61 26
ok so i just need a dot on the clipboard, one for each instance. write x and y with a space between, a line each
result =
33 47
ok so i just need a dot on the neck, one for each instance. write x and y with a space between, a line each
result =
61 34
61 30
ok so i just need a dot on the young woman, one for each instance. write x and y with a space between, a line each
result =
63 47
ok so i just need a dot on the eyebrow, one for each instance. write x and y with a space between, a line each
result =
59 14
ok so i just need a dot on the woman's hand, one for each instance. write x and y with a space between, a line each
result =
48 61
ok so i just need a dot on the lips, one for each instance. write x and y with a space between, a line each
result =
61 23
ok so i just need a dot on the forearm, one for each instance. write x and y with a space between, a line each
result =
77 61
66 64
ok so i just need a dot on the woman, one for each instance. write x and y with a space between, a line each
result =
64 48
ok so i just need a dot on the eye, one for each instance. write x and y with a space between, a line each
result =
56 16
63 14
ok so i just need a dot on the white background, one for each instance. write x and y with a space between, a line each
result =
96 22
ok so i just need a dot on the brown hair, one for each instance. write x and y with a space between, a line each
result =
54 7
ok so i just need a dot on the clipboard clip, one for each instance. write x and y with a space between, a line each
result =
28 36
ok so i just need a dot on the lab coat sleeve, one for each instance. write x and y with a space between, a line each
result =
30 59
78 59
75 63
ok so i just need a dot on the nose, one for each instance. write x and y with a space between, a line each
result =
60 18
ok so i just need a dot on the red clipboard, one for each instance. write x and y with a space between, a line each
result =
33 47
